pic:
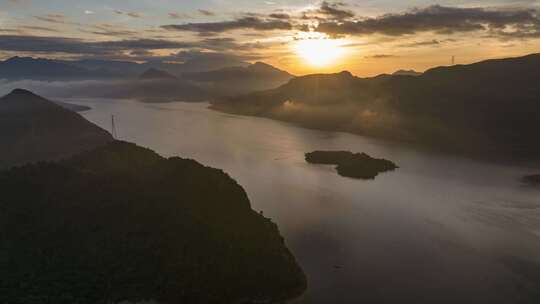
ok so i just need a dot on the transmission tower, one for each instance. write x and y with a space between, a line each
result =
113 128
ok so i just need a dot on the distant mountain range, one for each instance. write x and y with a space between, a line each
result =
253 71
153 81
490 108
17 68
45 69
33 128
239 80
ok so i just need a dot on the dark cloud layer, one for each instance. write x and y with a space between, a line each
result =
333 18
380 56
243 23
78 46
19 43
335 10
443 20
206 13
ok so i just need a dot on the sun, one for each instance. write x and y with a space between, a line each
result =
320 52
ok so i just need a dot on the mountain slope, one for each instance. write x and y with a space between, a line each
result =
18 68
490 108
256 70
241 80
33 128
30 68
120 223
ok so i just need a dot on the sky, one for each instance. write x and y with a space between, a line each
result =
366 37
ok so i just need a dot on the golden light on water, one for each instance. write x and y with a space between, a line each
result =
320 52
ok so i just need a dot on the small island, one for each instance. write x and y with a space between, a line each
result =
355 165
532 180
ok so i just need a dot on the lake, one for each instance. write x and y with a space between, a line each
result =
440 229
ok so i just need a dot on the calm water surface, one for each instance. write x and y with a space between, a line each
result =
440 229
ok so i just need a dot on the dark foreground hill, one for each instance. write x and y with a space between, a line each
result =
33 128
121 223
489 109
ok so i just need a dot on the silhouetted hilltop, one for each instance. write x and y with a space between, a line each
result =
208 62
120 223
348 164
33 128
490 108
31 68
241 79
156 74
406 73
258 69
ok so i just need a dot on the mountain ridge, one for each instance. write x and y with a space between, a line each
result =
469 109
121 223
33 128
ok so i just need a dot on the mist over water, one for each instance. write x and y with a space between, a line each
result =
440 229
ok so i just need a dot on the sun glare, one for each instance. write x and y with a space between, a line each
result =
320 52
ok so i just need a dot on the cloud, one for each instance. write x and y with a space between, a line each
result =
37 28
243 23
280 16
78 46
129 14
52 18
441 19
380 56
174 15
206 13
134 15
138 49
89 12
335 10
433 42
213 58
109 30
328 12
19 2
8 30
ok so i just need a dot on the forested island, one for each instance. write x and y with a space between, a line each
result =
121 223
355 165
